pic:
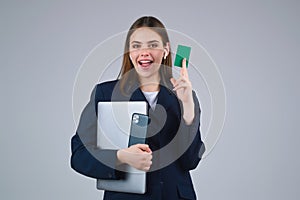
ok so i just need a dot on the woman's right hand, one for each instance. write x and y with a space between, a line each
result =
138 156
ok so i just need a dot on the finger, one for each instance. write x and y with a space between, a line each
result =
148 150
176 82
180 86
147 157
146 169
181 80
183 68
183 71
144 147
184 63
141 146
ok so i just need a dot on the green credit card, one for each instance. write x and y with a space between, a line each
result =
182 52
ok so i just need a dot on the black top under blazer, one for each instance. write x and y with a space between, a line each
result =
176 147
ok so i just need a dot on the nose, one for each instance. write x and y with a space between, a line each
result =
144 52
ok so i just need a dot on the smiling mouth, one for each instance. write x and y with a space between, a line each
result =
145 63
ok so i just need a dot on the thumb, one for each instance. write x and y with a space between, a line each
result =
144 147
173 81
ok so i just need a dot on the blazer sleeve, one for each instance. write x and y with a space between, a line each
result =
86 158
189 140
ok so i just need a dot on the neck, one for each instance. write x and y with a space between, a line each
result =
149 85
150 88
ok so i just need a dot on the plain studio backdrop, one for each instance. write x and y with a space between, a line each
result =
255 45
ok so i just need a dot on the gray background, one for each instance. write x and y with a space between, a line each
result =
254 43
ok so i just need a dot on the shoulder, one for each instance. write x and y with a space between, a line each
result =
107 84
104 90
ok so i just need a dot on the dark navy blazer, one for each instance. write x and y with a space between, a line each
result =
177 148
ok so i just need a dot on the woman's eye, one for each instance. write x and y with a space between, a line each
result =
153 45
135 46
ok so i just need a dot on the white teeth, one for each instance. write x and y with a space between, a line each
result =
145 61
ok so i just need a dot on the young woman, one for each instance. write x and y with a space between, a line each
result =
173 145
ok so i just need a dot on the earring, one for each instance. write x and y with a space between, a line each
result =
165 54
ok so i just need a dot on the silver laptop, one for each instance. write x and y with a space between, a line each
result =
113 132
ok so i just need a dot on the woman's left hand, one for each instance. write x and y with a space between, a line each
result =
183 86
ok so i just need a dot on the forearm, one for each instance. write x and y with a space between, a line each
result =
190 137
93 162
188 112
193 154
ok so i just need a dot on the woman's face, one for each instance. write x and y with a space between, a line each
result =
146 51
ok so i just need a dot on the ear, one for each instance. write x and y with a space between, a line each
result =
166 50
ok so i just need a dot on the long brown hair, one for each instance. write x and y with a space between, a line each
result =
128 76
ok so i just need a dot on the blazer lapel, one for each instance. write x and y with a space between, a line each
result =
165 97
139 96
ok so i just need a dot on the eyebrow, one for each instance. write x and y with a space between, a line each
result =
152 41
